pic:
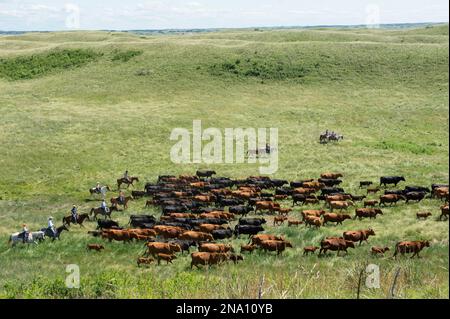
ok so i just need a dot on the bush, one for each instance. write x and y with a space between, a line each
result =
125 56
29 67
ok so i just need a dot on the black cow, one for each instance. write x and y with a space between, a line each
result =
252 221
389 180
247 230
215 221
278 182
222 233
184 244
330 182
175 224
229 202
394 191
332 190
357 197
174 209
240 210
364 183
284 191
205 173
106 224
417 189
298 198
137 194
417 196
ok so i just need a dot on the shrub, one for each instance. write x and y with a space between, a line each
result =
125 56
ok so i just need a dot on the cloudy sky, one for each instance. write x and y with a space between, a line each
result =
22 15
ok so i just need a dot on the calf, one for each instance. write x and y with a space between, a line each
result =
279 220
309 250
373 190
444 212
249 248
371 203
313 221
423 215
144 260
168 258
364 183
294 222
379 250
284 211
96 247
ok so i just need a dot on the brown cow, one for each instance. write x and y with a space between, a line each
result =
341 205
423 215
371 203
312 212
235 258
96 247
314 185
168 231
359 235
335 244
329 175
207 259
196 236
337 197
215 248
208 228
284 211
266 205
249 248
144 260
367 213
275 245
116 234
259 238
311 201
444 212
181 215
410 247
294 222
155 248
279 220
313 221
441 193
167 257
309 249
335 218
391 199
280 197
304 190
379 250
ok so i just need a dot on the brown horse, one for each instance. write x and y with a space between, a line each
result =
129 181
67 220
115 202
99 211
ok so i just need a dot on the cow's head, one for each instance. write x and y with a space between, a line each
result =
401 178
378 211
370 231
175 247
346 216
426 243
287 244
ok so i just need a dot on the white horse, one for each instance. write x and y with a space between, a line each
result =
103 190
14 238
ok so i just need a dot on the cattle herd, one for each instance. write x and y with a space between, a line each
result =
198 211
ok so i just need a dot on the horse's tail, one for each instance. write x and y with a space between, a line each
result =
92 211
10 239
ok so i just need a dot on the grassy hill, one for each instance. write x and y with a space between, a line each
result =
81 107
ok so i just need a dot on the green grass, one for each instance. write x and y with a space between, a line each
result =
62 129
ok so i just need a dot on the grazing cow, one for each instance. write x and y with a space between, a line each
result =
364 183
205 173
379 250
358 235
258 239
215 248
444 212
274 245
313 221
247 230
388 180
144 260
335 244
167 257
249 248
222 233
155 248
367 213
391 199
96 247
329 175
371 203
417 196
423 215
309 250
279 220
340 205
373 190
294 222
196 236
414 247
335 218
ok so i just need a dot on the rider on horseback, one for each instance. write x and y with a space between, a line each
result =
24 234
104 207
126 177
98 188
51 226
74 213
122 198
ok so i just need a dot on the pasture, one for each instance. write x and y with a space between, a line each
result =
82 107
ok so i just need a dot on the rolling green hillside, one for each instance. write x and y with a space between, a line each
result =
81 107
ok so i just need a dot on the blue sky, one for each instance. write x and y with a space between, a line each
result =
162 14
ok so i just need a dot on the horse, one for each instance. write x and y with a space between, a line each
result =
129 181
336 137
14 238
115 202
80 219
100 211
55 235
102 191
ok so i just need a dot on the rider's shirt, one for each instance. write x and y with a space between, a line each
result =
50 224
